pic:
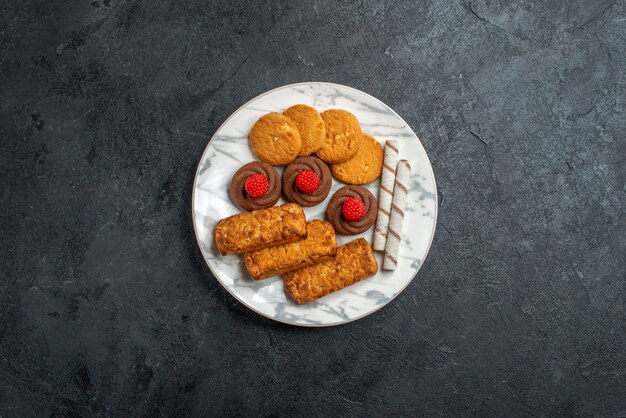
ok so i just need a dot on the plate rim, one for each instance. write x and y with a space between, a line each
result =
193 204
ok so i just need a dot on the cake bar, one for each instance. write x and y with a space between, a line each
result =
260 229
319 245
353 262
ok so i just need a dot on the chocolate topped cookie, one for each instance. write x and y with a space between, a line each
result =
352 210
307 181
254 186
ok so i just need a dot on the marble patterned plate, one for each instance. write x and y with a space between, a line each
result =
228 150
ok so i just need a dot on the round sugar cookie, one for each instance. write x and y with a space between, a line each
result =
363 167
275 139
310 125
343 136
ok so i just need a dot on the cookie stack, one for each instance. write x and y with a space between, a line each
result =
317 147
334 136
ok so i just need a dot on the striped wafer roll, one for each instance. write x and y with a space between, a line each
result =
394 234
385 194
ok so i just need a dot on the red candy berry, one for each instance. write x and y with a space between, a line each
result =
308 181
256 185
352 209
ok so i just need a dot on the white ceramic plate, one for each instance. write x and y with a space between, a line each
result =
228 150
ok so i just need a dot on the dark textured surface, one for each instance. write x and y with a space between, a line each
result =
107 308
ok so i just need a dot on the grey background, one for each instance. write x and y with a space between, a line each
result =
107 308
